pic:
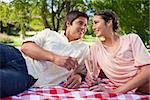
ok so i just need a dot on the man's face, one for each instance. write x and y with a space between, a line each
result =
77 29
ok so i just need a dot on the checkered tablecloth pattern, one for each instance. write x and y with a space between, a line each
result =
61 93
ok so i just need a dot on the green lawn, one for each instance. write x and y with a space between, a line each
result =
16 41
88 39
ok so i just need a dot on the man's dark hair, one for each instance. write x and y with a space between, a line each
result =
71 16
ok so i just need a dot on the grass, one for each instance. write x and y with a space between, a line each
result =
16 41
88 39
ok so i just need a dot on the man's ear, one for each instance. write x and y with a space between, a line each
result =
67 24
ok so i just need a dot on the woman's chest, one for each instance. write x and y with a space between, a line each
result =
122 56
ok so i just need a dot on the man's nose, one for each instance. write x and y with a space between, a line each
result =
83 26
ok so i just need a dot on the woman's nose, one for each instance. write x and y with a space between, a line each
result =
93 27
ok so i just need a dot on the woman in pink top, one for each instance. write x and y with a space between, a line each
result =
123 59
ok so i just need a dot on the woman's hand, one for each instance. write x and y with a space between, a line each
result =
90 82
100 88
91 79
73 81
66 62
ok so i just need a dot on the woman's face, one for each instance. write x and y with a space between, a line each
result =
77 29
100 27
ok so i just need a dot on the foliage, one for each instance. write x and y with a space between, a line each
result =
35 15
36 25
133 15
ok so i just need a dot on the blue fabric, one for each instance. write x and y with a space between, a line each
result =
14 76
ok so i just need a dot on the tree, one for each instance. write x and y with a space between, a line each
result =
20 15
23 13
133 15
4 9
59 8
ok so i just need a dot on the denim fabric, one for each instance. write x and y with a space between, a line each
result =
14 76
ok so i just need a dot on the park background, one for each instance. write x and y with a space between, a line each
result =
20 19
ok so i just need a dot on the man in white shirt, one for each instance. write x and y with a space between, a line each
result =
47 58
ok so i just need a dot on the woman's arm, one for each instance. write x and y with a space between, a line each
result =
141 56
140 79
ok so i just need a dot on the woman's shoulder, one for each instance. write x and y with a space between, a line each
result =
130 37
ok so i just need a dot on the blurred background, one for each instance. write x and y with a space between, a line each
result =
20 19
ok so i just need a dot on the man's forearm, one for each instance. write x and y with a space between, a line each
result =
34 51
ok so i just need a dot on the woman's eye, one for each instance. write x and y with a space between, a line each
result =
95 22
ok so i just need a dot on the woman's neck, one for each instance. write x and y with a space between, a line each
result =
111 40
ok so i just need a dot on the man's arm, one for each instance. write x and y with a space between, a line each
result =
34 51
76 77
81 70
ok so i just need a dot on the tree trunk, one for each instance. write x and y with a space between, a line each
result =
53 15
1 26
43 14
58 17
45 22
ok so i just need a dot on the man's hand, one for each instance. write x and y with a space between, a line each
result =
66 62
73 81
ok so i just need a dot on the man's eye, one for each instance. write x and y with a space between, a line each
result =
80 23
85 25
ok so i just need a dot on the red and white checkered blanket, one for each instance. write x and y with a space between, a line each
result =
61 93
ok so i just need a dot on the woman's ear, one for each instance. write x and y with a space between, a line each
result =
109 23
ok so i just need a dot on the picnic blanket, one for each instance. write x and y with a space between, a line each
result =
61 93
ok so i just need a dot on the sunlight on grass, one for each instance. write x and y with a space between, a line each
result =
88 39
16 41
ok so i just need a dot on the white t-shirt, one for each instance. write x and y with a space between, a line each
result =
47 72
